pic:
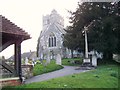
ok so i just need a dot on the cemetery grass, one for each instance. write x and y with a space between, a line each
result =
105 76
42 68
72 61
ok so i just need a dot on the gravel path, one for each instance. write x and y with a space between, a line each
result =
67 70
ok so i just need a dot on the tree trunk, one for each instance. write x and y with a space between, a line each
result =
72 54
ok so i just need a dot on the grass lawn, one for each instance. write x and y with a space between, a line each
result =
40 68
105 76
72 61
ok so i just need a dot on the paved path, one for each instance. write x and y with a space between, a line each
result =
67 70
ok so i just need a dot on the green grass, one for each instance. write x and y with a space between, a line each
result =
70 61
105 76
41 68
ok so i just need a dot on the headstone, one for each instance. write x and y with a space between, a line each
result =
26 61
48 58
94 60
58 59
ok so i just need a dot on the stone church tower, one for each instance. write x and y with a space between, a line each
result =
51 38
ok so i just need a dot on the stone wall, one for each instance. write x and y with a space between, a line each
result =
27 71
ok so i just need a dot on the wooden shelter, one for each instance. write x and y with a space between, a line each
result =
12 34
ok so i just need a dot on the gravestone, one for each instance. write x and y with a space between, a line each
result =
58 59
48 58
94 60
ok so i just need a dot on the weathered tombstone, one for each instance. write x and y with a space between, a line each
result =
26 61
94 60
58 59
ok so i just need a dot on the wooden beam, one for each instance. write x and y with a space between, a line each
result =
18 59
5 45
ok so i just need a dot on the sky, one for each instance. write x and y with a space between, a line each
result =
27 14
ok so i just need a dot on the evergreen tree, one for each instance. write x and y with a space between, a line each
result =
103 33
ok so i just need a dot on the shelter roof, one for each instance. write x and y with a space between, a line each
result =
9 28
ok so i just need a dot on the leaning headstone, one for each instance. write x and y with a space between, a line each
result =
58 59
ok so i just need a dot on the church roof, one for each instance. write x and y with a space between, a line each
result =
52 28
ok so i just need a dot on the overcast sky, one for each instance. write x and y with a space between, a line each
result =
27 14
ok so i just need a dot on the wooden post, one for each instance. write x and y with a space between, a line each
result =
18 60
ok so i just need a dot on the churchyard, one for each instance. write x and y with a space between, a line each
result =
105 76
59 62
43 68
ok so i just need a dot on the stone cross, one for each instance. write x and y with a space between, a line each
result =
86 59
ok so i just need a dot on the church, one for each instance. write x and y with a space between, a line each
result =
51 38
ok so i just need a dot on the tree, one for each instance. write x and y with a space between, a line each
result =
103 32
38 42
106 30
70 40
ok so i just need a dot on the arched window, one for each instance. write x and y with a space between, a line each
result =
55 41
49 42
52 41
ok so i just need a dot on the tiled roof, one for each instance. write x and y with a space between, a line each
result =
29 55
8 27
